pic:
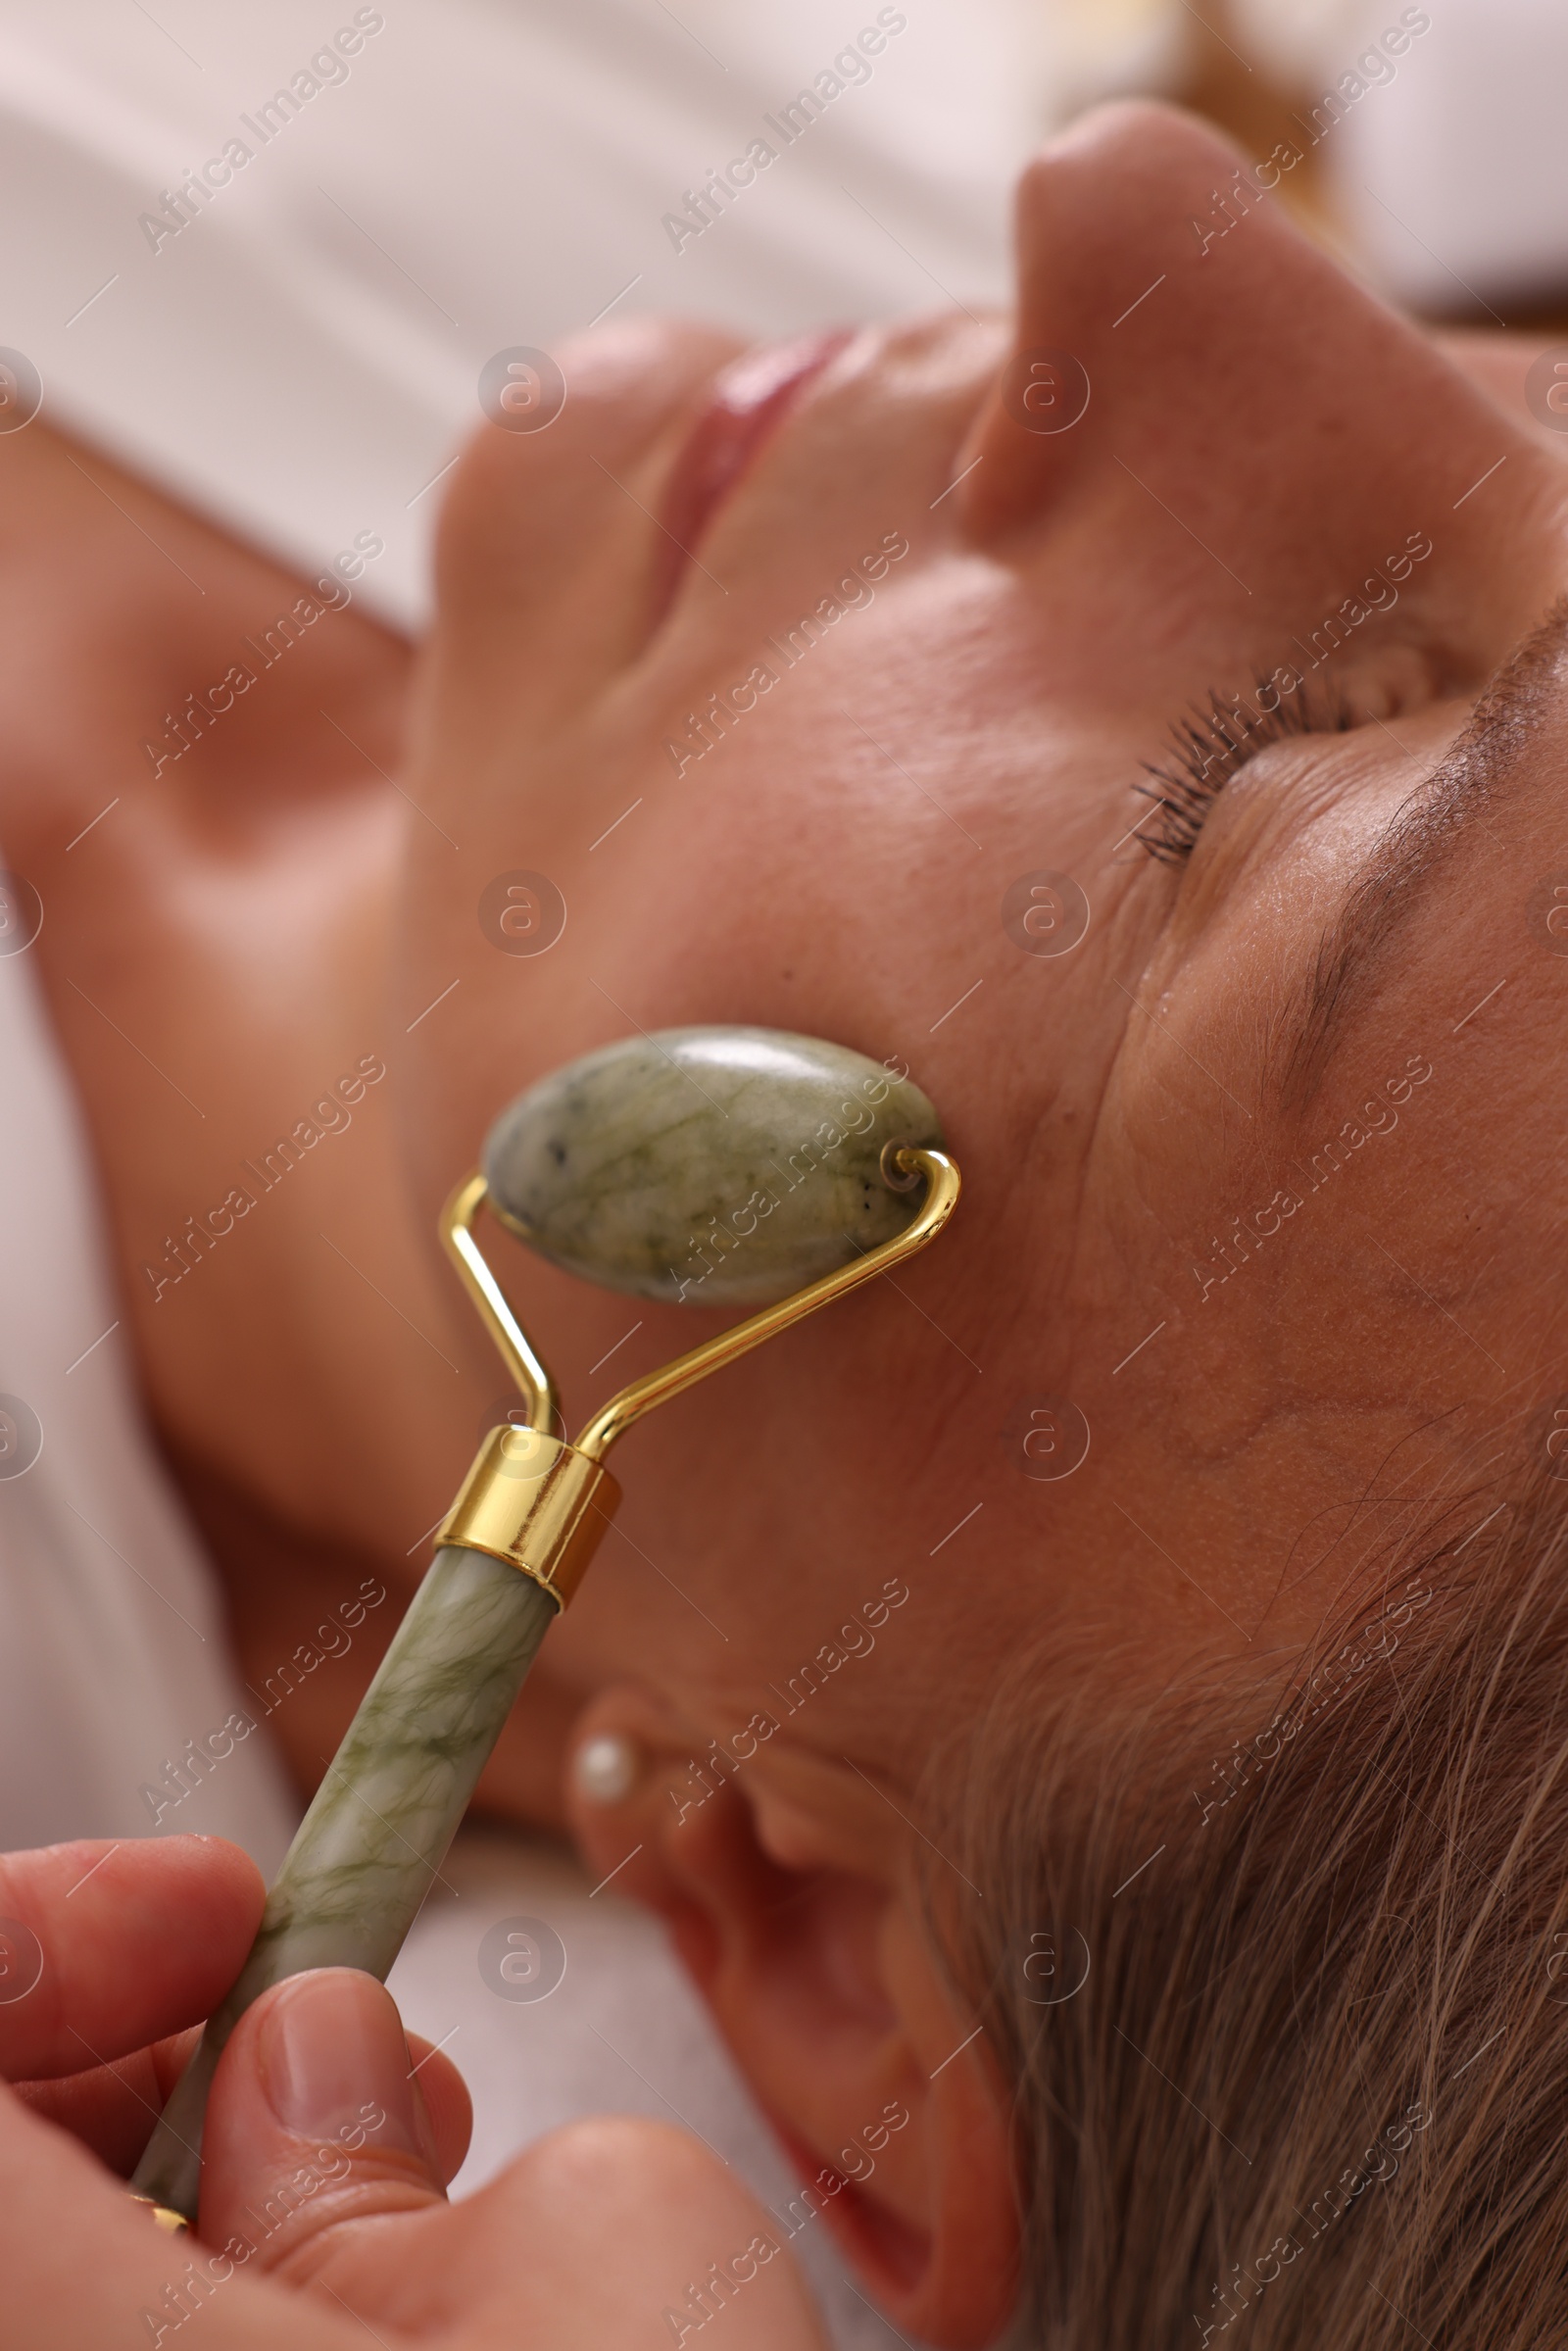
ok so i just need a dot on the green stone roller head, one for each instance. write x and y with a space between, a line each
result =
714 1167
706 1166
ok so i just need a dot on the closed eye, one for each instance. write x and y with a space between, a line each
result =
1213 741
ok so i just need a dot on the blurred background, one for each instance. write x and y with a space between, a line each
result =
1436 163
264 258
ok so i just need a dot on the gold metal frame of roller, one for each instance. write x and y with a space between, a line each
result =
541 1503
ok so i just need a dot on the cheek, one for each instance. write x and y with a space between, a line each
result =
538 546
856 825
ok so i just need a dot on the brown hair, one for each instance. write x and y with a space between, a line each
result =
1309 2093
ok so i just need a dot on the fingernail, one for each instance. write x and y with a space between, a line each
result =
335 2066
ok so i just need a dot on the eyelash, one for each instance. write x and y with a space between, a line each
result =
1209 744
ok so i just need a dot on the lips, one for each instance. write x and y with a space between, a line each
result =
748 402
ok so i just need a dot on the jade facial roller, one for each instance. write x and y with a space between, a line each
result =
717 1166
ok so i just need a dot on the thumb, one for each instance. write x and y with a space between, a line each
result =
315 2117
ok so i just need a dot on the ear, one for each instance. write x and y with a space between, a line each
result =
796 1911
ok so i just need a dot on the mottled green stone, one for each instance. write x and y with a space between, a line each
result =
367 1850
714 1166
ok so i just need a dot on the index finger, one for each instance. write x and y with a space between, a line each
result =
105 1946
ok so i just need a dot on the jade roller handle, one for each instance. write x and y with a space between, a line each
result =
368 1849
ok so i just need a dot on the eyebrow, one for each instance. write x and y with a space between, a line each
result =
1418 844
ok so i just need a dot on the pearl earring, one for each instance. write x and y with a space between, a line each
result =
606 1768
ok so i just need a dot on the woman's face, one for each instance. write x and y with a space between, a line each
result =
1259 1153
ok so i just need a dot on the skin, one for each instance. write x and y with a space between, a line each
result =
1260 435
580 2243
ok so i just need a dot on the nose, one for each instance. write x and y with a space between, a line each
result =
1191 372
